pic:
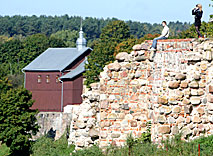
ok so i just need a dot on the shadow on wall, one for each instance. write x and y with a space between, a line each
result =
51 133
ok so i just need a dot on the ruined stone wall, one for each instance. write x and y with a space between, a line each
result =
184 102
172 88
84 129
55 123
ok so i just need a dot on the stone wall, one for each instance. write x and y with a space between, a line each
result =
55 123
172 88
84 129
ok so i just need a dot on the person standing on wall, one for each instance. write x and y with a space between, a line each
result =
198 12
164 35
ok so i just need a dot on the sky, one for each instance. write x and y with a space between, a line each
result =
151 11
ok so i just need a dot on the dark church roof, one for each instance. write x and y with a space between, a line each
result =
55 59
75 72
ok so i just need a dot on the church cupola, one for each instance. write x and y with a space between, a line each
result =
81 41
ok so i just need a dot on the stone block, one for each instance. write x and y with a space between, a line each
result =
103 115
200 110
185 101
196 77
164 129
80 124
80 143
210 88
186 131
188 119
125 107
196 119
161 119
104 104
175 130
193 56
173 101
194 84
180 76
133 123
183 84
107 124
174 84
200 92
162 100
166 109
187 109
171 120
203 66
144 46
138 74
115 135
179 94
195 100
179 120
210 106
176 110
202 85
93 133
140 58
194 92
103 134
142 82
187 92
122 56
112 116
114 66
137 47
210 98
128 117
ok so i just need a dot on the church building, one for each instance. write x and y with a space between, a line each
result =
55 77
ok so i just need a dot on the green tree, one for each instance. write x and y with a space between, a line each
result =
114 33
34 45
205 29
69 37
4 85
17 120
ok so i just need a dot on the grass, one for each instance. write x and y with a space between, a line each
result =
173 147
45 146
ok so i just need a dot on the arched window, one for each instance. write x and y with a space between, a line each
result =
39 79
47 79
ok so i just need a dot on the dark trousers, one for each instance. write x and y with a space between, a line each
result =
197 28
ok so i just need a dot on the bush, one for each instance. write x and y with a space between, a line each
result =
45 146
91 151
4 150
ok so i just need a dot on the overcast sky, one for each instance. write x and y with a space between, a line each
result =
152 11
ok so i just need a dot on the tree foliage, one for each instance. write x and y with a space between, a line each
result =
16 53
205 29
29 25
69 37
114 33
17 120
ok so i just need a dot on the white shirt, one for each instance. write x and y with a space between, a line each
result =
165 32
